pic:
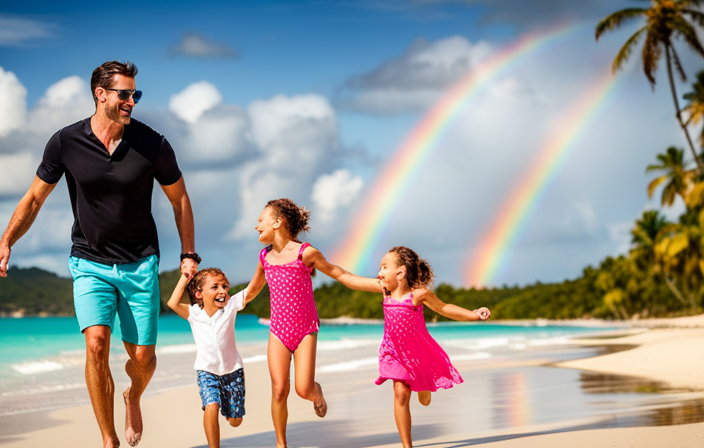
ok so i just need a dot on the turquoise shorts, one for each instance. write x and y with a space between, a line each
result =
130 290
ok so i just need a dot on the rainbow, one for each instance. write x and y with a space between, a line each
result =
389 187
518 209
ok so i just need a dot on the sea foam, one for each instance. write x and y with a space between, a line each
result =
35 367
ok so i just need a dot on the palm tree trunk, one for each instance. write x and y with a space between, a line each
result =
675 291
677 108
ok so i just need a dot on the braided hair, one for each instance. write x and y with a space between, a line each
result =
418 271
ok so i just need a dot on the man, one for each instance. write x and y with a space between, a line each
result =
111 162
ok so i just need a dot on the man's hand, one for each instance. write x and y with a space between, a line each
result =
4 259
189 267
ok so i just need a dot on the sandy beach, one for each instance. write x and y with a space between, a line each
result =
666 352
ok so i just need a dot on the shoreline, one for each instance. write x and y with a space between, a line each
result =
665 350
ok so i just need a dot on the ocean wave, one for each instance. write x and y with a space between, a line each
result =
470 357
35 367
349 365
40 389
479 344
178 348
255 358
346 344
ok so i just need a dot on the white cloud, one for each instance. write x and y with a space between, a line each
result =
218 136
16 30
16 170
196 45
295 137
194 100
334 191
21 145
13 107
414 80
63 103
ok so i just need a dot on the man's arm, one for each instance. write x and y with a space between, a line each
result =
178 196
22 219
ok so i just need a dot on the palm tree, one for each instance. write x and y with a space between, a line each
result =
680 254
645 235
695 104
678 178
665 20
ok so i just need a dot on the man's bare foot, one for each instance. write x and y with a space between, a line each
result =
424 397
133 420
111 442
322 408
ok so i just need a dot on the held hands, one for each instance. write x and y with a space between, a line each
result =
483 313
188 267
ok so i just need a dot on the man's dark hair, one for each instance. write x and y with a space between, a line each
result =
103 75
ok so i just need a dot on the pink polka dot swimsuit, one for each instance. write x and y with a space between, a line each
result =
293 312
409 353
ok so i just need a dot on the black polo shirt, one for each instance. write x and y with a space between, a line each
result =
111 195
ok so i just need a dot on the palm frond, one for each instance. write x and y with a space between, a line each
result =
696 16
685 3
678 64
613 21
687 31
654 184
625 52
651 55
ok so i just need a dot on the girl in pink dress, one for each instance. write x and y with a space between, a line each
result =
408 354
286 265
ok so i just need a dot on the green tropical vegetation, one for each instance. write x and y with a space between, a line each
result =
665 21
661 275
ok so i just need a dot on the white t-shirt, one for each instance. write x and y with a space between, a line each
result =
216 351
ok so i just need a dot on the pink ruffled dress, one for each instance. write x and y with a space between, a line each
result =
408 353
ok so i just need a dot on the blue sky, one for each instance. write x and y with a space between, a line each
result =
309 99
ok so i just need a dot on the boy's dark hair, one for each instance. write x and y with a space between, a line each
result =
198 280
104 75
419 274
296 217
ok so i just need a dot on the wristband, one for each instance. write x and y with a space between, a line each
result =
192 255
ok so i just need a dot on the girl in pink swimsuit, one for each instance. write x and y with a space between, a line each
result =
286 265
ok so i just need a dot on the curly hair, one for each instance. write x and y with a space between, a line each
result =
419 274
198 280
295 217
104 75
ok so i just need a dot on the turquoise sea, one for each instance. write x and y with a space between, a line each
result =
509 379
42 359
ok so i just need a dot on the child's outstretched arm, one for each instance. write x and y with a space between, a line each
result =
255 285
175 300
450 310
315 259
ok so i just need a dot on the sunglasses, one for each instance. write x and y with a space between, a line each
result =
124 95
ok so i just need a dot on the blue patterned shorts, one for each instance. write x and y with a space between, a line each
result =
227 391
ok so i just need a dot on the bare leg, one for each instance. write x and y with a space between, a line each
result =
140 368
402 412
280 371
101 387
211 425
304 366
424 397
